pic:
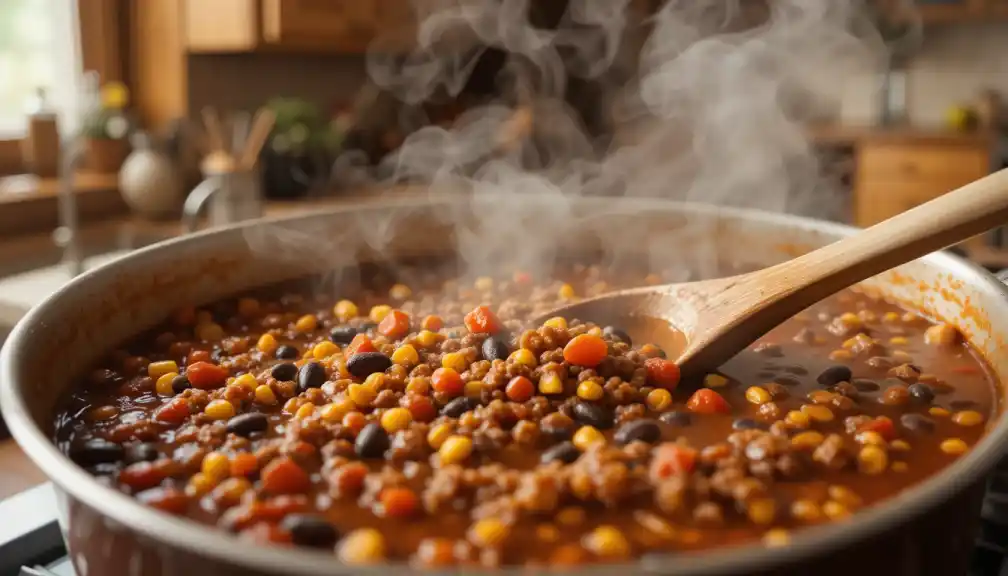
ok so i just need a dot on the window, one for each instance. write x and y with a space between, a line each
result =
39 48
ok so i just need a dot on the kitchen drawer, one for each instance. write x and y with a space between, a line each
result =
926 162
879 200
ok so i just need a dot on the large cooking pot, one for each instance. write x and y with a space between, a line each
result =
928 529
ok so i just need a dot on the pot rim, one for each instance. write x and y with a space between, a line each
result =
214 543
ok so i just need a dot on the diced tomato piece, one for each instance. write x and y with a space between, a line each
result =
174 412
165 499
881 425
707 401
662 373
266 533
399 502
360 343
354 421
482 320
348 480
395 325
420 407
672 459
206 376
432 323
448 382
197 356
142 475
283 476
585 350
244 464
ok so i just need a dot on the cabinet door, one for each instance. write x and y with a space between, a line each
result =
949 10
325 25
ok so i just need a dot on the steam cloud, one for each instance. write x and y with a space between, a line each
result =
697 107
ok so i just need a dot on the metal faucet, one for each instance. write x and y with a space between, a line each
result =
66 236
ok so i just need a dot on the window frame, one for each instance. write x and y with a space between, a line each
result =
101 33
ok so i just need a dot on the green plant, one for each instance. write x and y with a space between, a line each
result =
301 127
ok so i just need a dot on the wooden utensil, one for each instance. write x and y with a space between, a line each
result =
703 324
215 133
261 128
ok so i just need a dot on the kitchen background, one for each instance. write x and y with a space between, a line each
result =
139 92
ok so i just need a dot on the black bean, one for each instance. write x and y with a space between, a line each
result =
557 433
796 370
834 374
922 393
343 334
747 424
247 424
311 375
285 371
786 381
618 335
495 348
564 452
310 530
593 415
180 383
643 429
917 423
372 441
676 418
364 364
97 451
459 406
865 385
142 452
286 353
962 404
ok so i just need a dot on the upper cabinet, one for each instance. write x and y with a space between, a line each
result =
341 26
945 11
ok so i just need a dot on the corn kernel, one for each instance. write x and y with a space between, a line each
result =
158 369
379 312
230 491
566 292
607 542
953 446
291 406
901 357
595 331
324 349
361 395
941 335
336 410
849 343
362 546
306 323
844 495
248 307
208 332
820 396
867 315
808 440
264 395
418 386
483 283
797 419
850 320
400 292
438 434
870 438
523 356
558 322
219 410
163 386
405 355
396 419
817 413
590 390
898 341
840 355
456 361
427 339
715 381
267 344
547 533
572 516
805 511
216 465
659 399
455 449
872 460
550 383
890 317
375 381
488 533
345 310
199 485
473 389
246 381
835 510
776 537
899 467
968 418
756 395
899 445
586 437
304 411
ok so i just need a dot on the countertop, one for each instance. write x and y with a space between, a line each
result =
851 135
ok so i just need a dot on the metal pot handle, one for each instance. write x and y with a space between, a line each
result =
196 200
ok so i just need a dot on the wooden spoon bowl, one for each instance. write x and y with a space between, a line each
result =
703 324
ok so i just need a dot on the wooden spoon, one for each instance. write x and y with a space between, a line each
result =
703 324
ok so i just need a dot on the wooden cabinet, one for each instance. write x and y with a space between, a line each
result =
335 26
895 176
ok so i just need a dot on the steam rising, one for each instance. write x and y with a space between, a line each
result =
697 106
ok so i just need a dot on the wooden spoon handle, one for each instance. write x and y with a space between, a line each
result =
946 220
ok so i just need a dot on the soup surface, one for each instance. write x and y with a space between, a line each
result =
423 422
